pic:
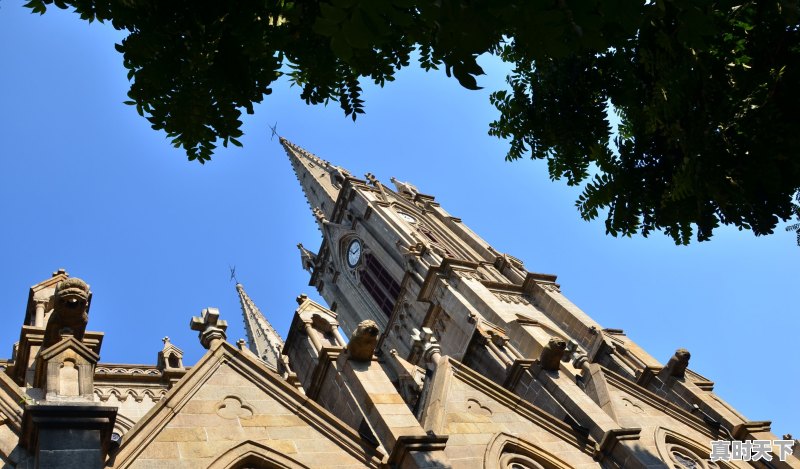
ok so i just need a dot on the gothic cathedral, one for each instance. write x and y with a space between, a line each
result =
456 356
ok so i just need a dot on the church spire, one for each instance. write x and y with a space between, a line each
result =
262 338
319 179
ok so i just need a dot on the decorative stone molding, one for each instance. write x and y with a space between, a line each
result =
126 370
121 394
513 298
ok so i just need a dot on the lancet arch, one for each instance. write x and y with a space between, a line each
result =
250 454
507 451
680 452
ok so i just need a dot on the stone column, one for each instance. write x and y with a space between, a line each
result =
312 334
39 319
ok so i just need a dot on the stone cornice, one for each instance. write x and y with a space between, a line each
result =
67 416
614 436
412 443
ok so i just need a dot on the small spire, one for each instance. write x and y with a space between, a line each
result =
404 187
308 258
263 339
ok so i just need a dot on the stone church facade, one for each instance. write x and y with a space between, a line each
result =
458 356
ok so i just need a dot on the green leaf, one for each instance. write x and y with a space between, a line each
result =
356 32
341 48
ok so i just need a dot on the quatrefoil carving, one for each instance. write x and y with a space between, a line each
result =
232 407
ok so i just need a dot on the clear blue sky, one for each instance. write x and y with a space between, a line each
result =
88 186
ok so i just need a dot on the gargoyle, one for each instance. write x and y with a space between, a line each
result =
676 366
70 311
363 341
552 353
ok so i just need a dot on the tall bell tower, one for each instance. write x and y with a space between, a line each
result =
392 254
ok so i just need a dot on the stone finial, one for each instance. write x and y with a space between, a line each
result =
70 311
425 346
550 357
307 258
371 178
676 366
211 327
242 344
319 215
338 173
576 355
363 340
301 298
165 340
404 187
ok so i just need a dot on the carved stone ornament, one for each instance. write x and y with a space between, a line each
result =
210 327
676 366
404 187
552 353
363 341
70 311
232 407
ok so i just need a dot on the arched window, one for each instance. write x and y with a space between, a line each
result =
379 284
507 451
252 455
253 462
681 453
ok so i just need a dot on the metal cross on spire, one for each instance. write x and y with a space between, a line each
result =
233 273
273 129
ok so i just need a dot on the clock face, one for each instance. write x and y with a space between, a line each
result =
353 253
407 217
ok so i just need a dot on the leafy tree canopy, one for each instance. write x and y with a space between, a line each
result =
707 91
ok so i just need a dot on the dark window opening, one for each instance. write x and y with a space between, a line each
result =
381 275
383 289
429 234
